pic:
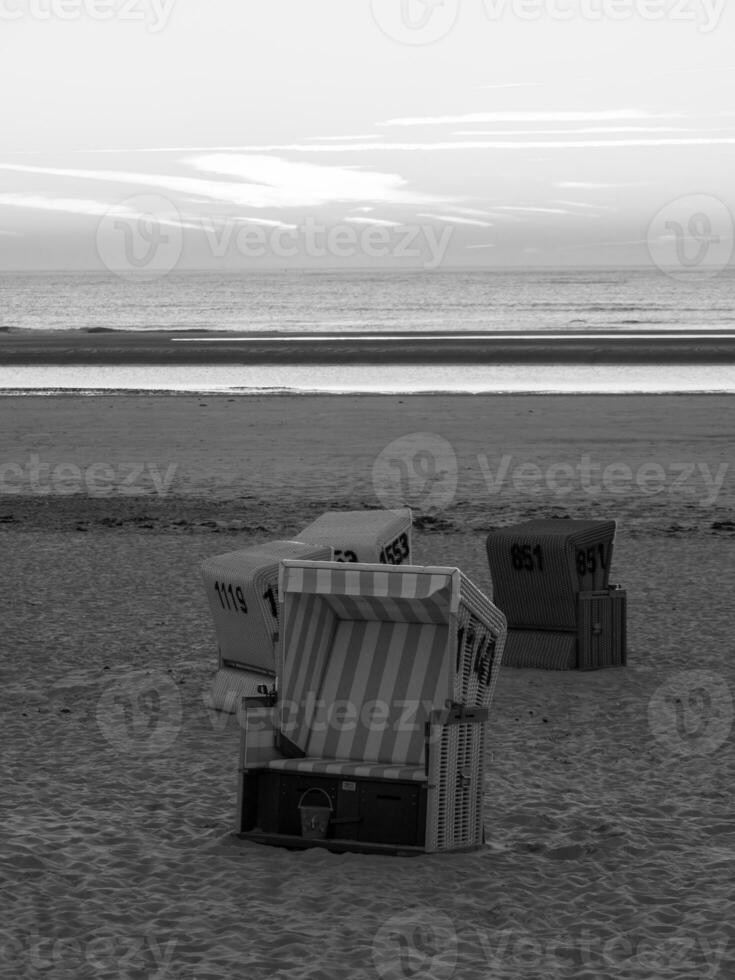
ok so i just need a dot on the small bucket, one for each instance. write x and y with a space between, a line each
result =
315 819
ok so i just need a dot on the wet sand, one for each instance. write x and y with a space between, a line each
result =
103 346
610 841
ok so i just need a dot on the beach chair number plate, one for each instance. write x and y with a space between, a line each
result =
349 556
233 598
528 559
587 560
396 552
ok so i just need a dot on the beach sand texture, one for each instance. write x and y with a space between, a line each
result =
610 841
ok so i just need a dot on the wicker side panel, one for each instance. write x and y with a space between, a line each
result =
454 818
590 556
479 653
230 685
602 630
257 744
540 648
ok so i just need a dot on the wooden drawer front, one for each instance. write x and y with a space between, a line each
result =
391 812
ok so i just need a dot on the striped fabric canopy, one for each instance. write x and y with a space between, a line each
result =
438 587
364 658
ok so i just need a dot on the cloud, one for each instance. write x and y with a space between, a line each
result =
573 132
529 209
589 186
263 182
360 136
309 184
467 144
584 205
85 207
381 222
598 115
453 219
266 222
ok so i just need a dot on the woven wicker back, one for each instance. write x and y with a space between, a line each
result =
540 567
242 589
367 536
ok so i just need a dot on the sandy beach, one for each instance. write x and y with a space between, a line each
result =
610 842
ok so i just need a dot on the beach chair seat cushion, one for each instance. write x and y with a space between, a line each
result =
347 768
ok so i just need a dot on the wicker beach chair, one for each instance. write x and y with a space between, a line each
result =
377 741
551 579
242 589
364 535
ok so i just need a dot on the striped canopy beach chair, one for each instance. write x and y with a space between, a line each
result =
386 675
242 590
364 535
551 579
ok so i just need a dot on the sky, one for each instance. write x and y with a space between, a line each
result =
245 134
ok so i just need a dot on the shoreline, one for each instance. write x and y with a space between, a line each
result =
231 393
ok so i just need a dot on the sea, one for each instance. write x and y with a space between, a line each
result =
367 302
